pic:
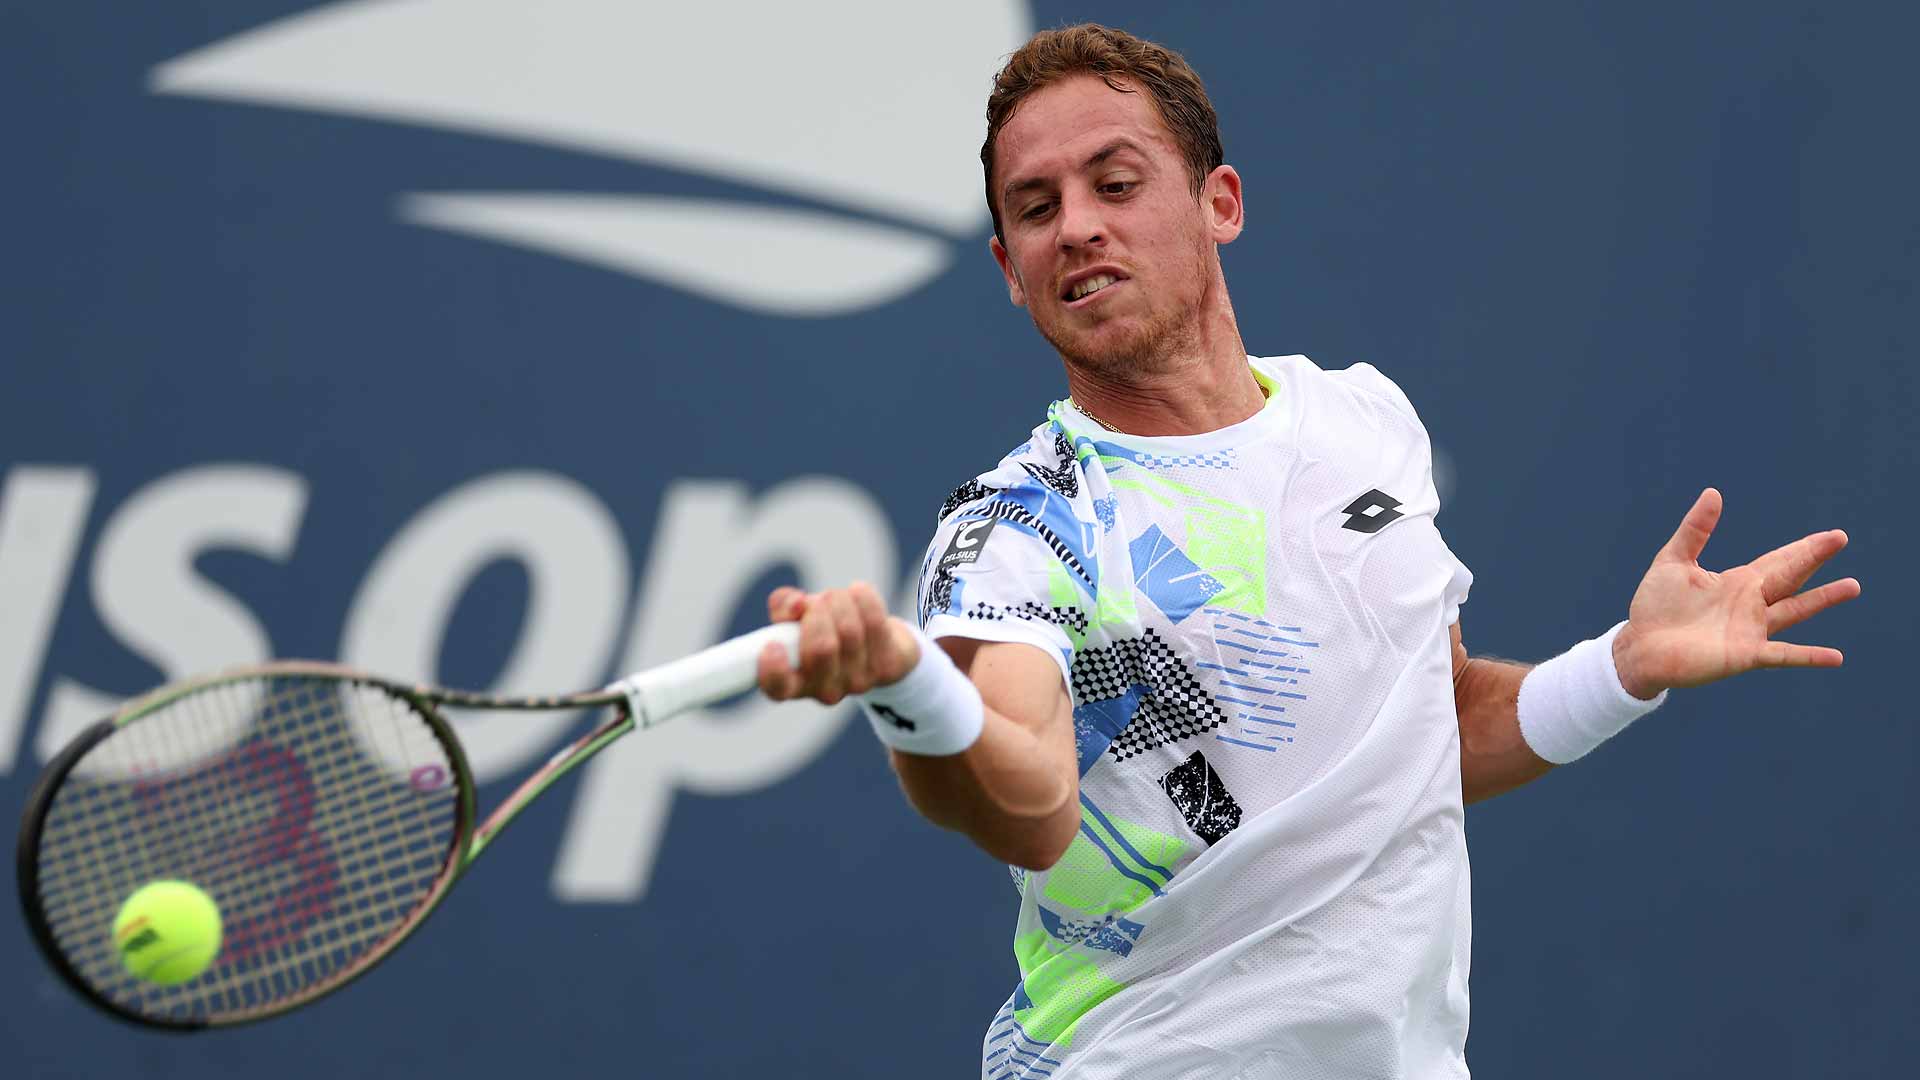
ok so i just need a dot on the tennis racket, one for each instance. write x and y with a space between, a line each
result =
325 810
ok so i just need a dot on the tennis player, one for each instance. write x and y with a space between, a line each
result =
1199 674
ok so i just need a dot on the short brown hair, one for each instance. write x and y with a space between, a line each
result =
1113 55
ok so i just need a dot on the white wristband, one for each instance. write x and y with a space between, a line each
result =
1574 702
934 710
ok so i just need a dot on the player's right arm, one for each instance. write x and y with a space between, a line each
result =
1015 790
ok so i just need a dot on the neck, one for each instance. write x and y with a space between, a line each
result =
1203 383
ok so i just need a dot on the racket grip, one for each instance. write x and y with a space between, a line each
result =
712 674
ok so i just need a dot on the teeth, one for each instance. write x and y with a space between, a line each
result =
1092 285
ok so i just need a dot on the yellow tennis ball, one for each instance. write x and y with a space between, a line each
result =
167 932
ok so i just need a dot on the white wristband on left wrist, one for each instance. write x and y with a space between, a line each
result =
1574 702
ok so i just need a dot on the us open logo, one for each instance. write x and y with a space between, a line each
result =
879 215
837 219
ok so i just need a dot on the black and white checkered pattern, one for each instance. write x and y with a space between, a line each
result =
1174 707
1059 616
1114 933
1224 459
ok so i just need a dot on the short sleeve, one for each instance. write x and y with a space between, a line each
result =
1372 380
1417 472
1460 579
1458 586
991 577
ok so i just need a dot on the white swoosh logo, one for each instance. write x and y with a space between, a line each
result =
866 104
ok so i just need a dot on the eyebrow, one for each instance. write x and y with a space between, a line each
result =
1098 157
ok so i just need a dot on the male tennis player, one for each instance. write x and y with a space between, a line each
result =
1200 675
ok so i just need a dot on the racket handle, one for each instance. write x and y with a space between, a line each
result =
712 674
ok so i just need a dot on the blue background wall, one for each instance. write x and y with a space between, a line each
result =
1613 252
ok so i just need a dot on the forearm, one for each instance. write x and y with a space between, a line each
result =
1494 757
1015 791
1005 792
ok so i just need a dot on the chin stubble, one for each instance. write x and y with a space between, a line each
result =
1140 353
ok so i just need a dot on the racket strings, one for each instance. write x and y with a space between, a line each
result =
159 834
318 814
166 820
366 888
88 832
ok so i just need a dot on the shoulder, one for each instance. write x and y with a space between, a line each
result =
1362 384
1043 467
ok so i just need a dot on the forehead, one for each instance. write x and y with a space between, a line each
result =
1054 129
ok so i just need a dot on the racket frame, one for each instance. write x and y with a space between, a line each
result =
468 838
643 699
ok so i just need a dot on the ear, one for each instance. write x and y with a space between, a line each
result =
1015 292
1226 209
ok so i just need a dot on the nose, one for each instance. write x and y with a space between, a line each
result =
1080 222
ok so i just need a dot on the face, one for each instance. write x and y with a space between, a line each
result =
1105 243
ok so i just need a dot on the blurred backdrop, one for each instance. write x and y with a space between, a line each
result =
513 344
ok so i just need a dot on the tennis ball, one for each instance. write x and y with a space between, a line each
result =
167 932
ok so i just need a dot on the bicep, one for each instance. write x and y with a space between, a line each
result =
1459 655
1019 681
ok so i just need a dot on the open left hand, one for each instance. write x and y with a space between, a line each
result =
1688 626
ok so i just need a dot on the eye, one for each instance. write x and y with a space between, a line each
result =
1117 187
1036 211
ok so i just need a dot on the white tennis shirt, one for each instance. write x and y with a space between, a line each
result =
1271 875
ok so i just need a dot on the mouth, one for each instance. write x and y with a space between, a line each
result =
1083 288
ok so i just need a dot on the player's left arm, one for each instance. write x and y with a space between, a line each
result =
1494 758
1687 626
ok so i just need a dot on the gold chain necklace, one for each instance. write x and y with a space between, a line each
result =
1095 419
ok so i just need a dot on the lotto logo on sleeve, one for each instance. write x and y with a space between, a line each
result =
1372 512
967 543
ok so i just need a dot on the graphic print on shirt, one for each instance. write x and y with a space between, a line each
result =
1132 691
1202 798
1184 589
1036 507
1261 665
1135 695
1111 868
1224 558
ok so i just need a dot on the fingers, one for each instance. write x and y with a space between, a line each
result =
845 644
785 604
893 650
1803 606
819 651
883 661
777 676
1781 654
1695 529
852 676
1784 569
